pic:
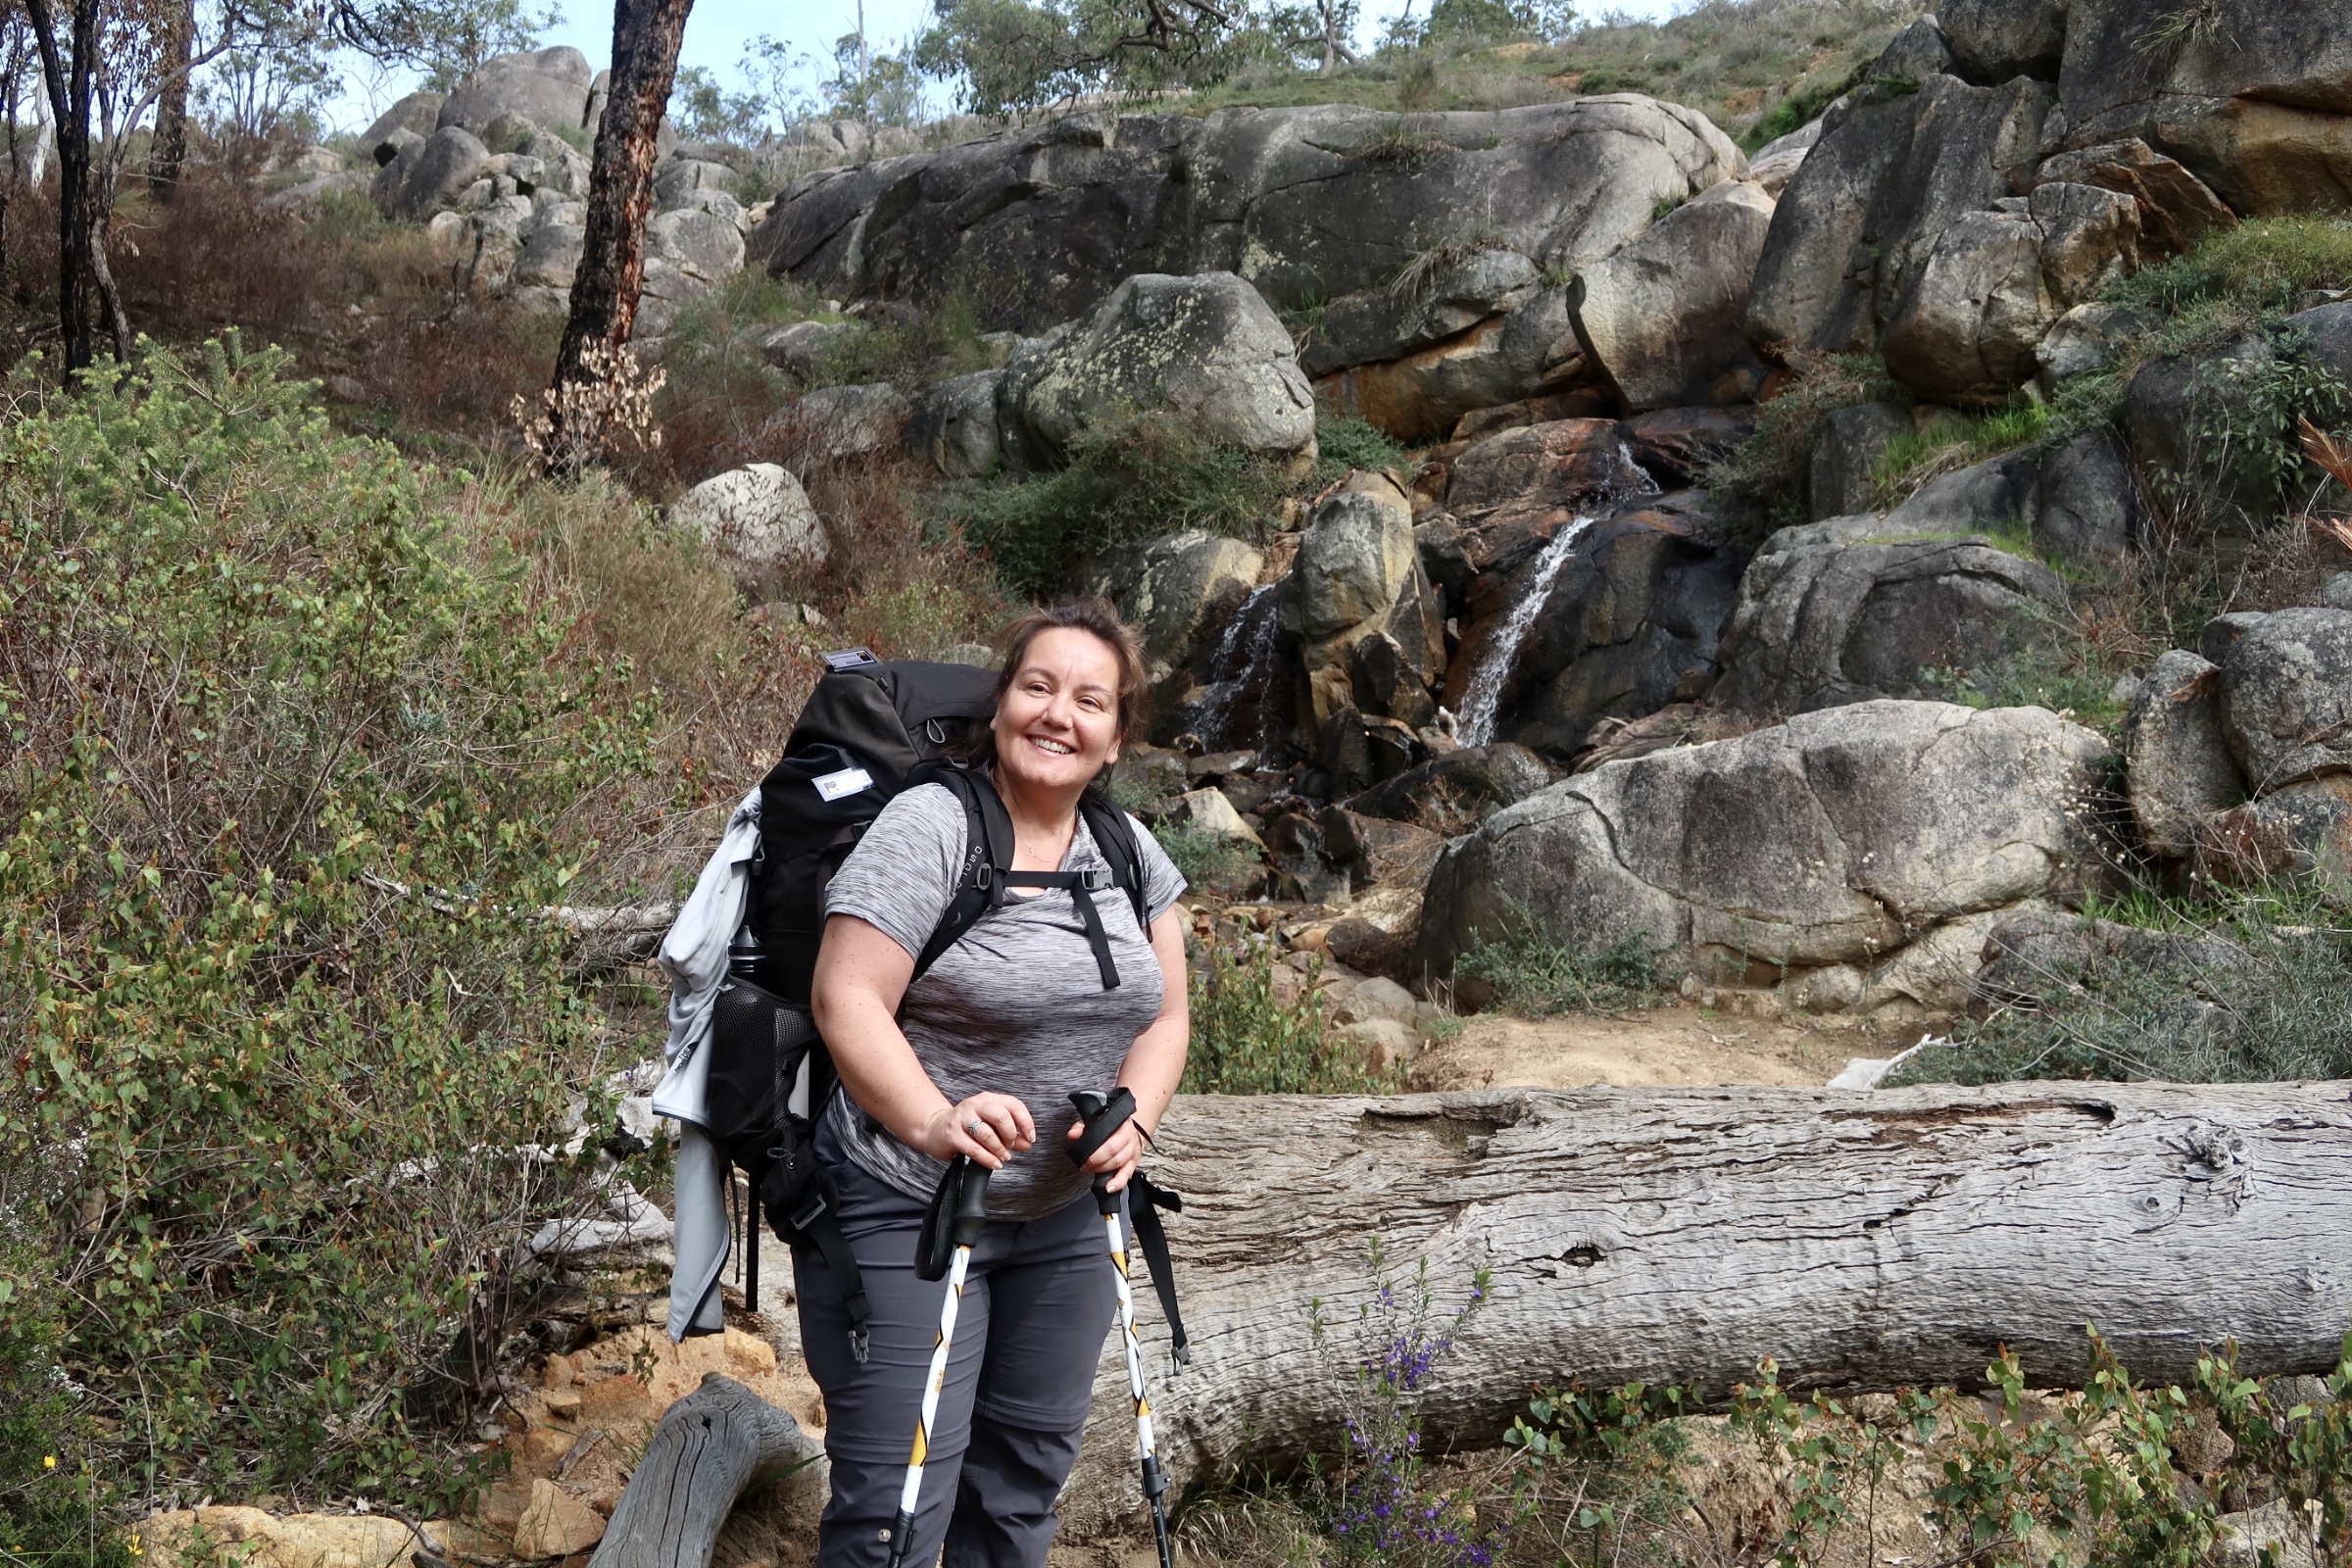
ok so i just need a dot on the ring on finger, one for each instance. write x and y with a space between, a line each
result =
975 1127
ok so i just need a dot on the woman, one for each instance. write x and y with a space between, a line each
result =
978 1057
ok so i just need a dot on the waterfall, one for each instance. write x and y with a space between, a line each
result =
1246 652
1482 695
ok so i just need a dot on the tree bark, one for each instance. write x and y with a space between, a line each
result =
712 1448
170 152
620 181
1867 1240
68 83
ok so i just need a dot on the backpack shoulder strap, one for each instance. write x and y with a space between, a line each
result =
987 852
1114 838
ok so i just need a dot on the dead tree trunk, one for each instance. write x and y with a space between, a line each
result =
711 1446
68 79
1867 1240
605 289
169 153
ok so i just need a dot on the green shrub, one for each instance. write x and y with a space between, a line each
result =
1762 484
1536 976
295 1049
1345 442
2251 990
1247 1042
1208 860
2262 264
1915 457
1126 481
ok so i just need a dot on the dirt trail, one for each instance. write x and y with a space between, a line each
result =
1682 1044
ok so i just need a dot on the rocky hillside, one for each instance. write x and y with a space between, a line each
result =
1789 540
1566 458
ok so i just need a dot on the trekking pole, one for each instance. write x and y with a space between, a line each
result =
963 1190
1105 1115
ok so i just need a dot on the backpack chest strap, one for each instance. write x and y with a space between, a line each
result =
1082 886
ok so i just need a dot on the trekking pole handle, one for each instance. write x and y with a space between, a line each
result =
1103 1116
971 1205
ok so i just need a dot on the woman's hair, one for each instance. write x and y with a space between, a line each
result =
1092 616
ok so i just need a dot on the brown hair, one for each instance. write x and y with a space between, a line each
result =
1092 616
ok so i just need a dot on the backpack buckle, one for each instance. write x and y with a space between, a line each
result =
1095 879
811 1209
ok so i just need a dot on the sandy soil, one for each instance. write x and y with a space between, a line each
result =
1677 1045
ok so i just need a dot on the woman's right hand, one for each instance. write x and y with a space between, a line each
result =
991 1128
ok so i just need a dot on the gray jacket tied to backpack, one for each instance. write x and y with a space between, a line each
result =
695 955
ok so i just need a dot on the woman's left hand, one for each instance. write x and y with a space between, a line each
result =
1119 1152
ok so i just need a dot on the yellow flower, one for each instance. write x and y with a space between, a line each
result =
48 1461
138 1549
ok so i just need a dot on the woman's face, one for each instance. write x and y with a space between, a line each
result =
1058 723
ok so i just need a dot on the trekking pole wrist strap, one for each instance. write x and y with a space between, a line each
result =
1102 1124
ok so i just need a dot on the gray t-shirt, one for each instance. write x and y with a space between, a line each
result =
1017 1006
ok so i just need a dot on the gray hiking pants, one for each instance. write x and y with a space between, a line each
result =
1038 1304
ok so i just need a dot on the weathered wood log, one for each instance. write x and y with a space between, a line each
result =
1867 1240
711 1446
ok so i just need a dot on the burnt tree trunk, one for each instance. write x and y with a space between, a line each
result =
620 182
1868 1240
177 44
69 84
711 1446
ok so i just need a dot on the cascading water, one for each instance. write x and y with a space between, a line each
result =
1244 654
1482 697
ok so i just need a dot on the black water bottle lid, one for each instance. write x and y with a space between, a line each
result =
745 954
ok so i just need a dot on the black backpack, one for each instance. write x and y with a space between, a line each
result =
869 731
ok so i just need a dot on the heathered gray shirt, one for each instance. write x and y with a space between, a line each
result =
1016 1007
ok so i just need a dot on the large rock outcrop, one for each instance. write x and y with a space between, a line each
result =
546 86
1205 349
2255 96
1661 318
1358 575
1849 610
2240 757
1892 171
1309 204
1867 844
1989 287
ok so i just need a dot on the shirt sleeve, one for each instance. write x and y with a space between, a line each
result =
1162 882
901 876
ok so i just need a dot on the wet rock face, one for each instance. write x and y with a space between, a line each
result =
1628 622
1837 838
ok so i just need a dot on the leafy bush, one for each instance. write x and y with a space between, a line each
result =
1208 859
1915 457
2250 991
1536 976
1763 483
1126 481
293 780
2262 264
1247 1041
1346 442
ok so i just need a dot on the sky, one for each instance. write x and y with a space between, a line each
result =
717 31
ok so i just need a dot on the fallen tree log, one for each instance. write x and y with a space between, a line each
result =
718 1443
1867 1240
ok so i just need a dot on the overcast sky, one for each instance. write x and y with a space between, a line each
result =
717 31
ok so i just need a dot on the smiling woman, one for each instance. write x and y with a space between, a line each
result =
1073 986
